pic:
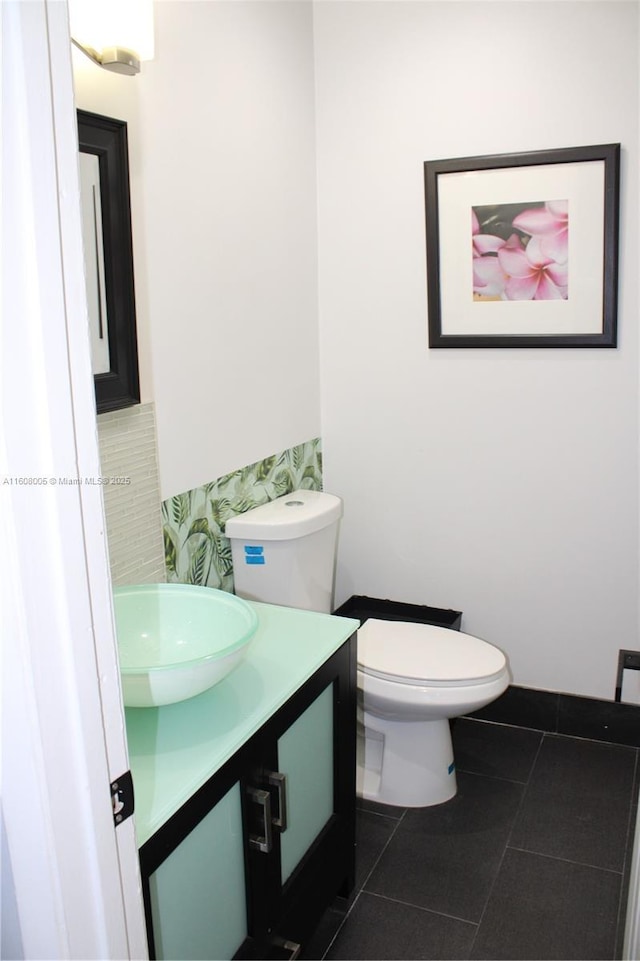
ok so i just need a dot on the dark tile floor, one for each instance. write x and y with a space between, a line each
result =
529 860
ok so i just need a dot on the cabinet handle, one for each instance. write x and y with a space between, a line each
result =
279 781
262 842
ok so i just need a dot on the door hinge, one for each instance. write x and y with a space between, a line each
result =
122 798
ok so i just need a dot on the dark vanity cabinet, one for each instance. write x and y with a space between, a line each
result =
247 866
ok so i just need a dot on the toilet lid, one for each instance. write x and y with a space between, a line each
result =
415 653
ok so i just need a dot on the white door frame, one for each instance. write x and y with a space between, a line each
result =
72 878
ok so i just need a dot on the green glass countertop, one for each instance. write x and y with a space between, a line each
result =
174 750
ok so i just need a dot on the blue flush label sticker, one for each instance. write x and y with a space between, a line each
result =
451 768
253 554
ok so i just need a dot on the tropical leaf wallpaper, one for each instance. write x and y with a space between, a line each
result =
196 550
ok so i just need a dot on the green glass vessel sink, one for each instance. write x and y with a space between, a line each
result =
177 640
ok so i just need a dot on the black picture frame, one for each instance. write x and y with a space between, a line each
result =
106 138
585 311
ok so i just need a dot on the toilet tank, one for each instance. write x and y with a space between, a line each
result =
284 552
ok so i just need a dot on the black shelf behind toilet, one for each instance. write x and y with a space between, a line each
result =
362 608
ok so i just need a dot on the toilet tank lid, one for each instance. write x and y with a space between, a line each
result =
285 518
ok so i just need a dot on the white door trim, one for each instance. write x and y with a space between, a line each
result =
75 878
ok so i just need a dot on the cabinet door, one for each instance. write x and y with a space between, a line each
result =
305 758
197 894
311 743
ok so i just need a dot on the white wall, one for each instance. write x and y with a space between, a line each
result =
229 195
222 143
502 483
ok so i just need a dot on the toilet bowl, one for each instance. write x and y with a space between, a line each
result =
412 678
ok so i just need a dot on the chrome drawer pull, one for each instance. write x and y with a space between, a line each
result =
291 946
262 842
279 781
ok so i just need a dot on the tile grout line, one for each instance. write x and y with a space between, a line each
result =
506 845
419 907
553 857
493 777
361 888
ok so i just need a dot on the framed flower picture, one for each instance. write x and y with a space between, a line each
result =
522 249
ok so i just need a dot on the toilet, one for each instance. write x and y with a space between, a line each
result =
412 678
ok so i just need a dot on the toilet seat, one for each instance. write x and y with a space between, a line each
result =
423 654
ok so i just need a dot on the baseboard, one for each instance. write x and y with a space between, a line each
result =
568 714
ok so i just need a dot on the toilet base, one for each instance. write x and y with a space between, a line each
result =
418 768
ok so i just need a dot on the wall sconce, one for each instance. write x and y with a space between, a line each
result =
114 34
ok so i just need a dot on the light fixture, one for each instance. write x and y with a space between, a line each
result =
114 34
118 59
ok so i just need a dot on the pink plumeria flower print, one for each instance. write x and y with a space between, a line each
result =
550 226
532 275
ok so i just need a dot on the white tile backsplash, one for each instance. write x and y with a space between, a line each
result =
128 456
